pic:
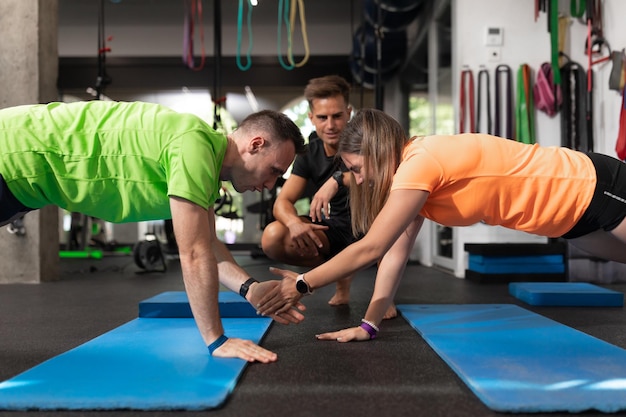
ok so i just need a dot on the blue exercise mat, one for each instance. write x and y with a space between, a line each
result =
145 364
517 361
175 304
547 264
580 294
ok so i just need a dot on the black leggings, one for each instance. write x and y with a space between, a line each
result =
608 205
10 206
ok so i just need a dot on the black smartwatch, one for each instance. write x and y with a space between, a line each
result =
338 176
302 286
243 290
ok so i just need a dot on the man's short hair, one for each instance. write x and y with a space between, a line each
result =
327 86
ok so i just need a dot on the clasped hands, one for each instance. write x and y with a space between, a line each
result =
282 300
282 297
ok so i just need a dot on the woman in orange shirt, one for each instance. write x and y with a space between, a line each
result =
458 180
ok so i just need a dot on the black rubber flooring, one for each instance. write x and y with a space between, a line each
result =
398 374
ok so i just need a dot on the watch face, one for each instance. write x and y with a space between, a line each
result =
302 287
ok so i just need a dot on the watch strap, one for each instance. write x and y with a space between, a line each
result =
243 290
302 286
338 176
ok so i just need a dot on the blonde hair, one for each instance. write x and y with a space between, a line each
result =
380 139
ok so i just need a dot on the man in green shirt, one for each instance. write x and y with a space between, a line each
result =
129 162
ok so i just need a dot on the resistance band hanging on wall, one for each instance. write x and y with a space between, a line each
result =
553 28
620 147
505 102
617 81
288 19
467 101
594 44
577 8
549 75
298 5
574 110
287 10
193 12
283 19
239 35
524 109
483 74
547 95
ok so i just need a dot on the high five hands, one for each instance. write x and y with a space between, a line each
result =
284 298
266 297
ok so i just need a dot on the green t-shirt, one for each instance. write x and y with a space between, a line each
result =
114 161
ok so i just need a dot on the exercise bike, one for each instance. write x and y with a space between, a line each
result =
151 254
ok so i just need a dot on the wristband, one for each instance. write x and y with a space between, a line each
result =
243 290
372 325
369 329
217 343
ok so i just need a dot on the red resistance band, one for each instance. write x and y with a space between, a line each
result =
465 105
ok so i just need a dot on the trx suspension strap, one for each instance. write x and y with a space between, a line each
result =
507 103
483 73
574 110
467 101
524 110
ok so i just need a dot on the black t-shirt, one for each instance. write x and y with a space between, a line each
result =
316 167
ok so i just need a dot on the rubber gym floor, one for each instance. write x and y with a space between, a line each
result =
398 374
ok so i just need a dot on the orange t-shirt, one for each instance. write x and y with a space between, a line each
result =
475 177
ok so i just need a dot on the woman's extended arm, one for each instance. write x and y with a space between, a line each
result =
388 277
400 211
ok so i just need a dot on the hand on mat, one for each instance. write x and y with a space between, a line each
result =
283 297
292 315
345 335
244 349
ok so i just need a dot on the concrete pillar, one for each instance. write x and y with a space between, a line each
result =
28 75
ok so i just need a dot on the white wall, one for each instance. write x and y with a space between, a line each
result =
527 41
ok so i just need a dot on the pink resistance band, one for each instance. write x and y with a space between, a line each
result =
545 91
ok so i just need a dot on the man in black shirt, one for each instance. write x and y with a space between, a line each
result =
310 240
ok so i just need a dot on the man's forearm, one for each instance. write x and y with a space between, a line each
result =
202 285
230 273
285 212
